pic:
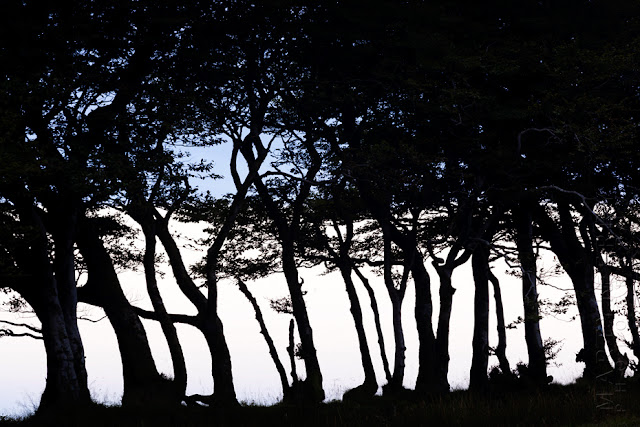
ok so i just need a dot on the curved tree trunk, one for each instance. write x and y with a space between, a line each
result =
577 261
224 392
370 384
142 383
313 381
168 328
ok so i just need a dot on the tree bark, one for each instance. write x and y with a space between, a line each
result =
480 343
376 319
535 349
309 354
631 306
267 337
142 383
168 328
620 360
502 332
577 261
356 312
444 320
427 380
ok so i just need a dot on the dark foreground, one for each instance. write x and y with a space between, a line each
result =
574 405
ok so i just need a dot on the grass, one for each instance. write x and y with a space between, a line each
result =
572 405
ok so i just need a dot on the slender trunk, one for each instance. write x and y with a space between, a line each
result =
396 296
524 242
309 355
142 383
502 332
621 361
480 344
168 328
291 350
376 319
267 337
444 320
356 313
631 307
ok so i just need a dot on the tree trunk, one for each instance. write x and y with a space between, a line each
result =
64 387
370 383
577 261
224 392
631 307
168 328
480 343
65 281
376 319
267 337
621 361
309 355
444 320
502 332
427 380
142 383
524 242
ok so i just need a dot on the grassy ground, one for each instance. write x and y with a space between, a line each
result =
574 405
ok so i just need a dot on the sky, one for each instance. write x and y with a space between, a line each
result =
23 370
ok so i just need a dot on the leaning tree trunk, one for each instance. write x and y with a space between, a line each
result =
168 328
376 319
142 383
524 243
480 343
370 384
267 338
313 383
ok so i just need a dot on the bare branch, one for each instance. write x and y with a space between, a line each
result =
22 325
